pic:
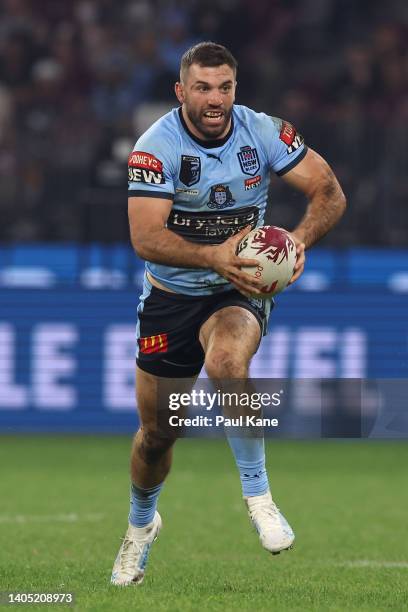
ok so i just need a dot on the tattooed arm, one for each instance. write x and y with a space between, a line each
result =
326 204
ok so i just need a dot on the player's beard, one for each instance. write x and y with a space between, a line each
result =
208 132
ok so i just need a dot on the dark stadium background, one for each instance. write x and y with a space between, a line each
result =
80 80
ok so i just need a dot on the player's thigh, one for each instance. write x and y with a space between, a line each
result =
233 332
152 396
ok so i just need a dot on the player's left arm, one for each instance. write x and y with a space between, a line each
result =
326 203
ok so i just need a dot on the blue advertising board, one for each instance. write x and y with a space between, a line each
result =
67 353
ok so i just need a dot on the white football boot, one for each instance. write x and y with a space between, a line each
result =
129 566
274 531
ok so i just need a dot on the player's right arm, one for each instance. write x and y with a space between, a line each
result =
153 242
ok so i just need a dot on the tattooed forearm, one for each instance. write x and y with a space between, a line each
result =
326 205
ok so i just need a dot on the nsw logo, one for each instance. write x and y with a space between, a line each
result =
248 160
190 170
220 197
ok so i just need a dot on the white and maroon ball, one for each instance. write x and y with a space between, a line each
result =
275 250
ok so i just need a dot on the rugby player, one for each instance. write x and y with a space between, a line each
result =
198 183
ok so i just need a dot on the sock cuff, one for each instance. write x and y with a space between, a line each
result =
140 492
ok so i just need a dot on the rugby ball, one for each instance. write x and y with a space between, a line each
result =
275 250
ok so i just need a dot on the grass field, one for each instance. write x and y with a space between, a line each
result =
63 507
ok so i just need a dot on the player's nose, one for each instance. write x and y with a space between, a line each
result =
215 99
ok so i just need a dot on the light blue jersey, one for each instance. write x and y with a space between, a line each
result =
217 187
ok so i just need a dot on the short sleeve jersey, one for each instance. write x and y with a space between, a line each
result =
217 187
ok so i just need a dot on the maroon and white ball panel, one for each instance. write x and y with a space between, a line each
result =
275 250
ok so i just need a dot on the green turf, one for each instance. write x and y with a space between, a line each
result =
346 501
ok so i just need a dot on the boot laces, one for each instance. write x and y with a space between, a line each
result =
129 553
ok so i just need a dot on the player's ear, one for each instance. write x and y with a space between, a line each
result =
178 88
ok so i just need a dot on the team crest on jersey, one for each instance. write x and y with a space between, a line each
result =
220 197
190 170
248 160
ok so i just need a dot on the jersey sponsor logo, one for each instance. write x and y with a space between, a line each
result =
192 192
287 133
153 344
297 142
290 137
253 182
211 227
190 170
139 159
220 197
248 160
145 168
140 175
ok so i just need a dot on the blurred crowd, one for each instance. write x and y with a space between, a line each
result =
80 80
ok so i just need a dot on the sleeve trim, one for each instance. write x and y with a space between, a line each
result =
293 163
136 193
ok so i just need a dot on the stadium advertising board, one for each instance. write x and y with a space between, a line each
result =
67 355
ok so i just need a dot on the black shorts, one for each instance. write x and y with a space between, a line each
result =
169 325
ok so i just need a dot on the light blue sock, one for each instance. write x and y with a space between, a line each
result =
249 456
143 504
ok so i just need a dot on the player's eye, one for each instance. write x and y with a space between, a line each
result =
226 88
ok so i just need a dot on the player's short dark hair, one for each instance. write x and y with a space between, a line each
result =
207 54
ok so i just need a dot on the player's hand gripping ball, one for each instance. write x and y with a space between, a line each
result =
275 250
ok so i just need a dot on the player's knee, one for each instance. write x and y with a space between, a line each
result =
153 446
220 363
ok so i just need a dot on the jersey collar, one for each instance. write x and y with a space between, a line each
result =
207 144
